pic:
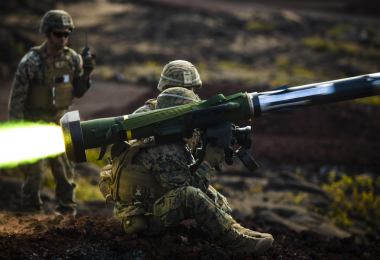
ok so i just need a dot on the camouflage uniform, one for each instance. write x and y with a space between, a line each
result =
186 197
189 196
30 69
30 72
213 194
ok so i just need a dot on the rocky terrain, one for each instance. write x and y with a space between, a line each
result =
237 46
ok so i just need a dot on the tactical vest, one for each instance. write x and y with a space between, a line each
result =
57 89
131 183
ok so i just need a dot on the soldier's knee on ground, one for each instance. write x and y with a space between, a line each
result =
135 224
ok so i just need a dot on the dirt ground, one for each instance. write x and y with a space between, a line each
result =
342 136
96 237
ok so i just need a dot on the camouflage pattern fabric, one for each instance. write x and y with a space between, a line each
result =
191 196
148 106
180 204
218 199
30 69
176 97
173 75
169 164
63 172
56 19
193 143
144 108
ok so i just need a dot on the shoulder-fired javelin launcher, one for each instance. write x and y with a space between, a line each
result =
214 117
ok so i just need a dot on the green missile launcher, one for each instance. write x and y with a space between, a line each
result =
214 117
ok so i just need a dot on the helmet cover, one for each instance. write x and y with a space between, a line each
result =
176 96
179 73
56 19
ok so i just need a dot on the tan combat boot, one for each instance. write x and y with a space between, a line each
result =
238 241
250 233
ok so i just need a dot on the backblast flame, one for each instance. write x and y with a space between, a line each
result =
25 142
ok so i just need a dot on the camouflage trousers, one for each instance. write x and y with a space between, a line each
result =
63 172
181 204
218 199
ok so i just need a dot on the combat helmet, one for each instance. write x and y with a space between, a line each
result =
176 96
56 19
179 73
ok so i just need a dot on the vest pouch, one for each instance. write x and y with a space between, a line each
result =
136 184
62 96
113 181
135 224
105 180
38 97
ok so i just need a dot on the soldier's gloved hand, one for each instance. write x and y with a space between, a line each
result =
89 65
214 155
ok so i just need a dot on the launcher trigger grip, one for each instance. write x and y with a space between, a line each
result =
228 154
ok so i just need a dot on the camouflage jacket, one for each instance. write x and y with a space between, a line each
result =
169 164
31 69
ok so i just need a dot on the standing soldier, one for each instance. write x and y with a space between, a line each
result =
46 81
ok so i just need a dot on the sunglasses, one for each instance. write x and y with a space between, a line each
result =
61 34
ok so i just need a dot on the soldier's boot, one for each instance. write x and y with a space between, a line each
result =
250 233
64 211
33 210
238 241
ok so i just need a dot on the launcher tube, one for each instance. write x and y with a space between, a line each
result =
171 123
319 93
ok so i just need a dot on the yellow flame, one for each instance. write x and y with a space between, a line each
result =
25 142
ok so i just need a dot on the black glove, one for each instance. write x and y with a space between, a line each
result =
214 155
88 65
